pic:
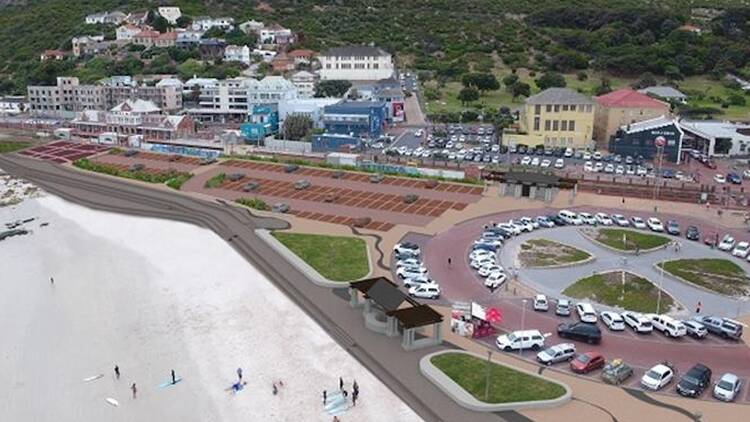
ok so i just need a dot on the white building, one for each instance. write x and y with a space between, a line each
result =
13 105
305 83
251 26
127 32
355 63
105 17
237 53
310 107
275 34
704 135
88 44
171 14
266 55
232 99
204 23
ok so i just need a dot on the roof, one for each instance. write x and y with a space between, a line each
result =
301 53
361 104
382 291
712 129
416 316
355 50
559 96
147 34
531 177
136 106
663 91
649 124
627 98
53 53
303 74
169 82
168 36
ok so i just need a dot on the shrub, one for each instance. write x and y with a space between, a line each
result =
254 203
142 175
179 180
215 181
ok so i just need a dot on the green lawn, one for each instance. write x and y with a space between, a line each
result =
640 295
634 239
10 146
700 91
337 258
545 253
506 385
718 275
179 180
172 177
215 181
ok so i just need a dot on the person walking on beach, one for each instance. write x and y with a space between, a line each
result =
449 261
325 397
637 251
52 280
354 398
174 378
355 387
239 373
274 389
134 390
117 372
341 383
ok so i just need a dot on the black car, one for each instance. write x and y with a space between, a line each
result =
692 233
556 219
694 381
673 228
580 331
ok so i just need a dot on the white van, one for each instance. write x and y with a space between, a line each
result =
638 322
586 313
569 217
528 339
667 325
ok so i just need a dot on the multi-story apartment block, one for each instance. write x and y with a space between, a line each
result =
237 53
355 63
305 83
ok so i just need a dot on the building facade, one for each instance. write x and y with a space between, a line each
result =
623 107
309 107
361 119
237 53
170 13
305 83
133 117
12 105
355 63
204 23
639 139
556 117
716 138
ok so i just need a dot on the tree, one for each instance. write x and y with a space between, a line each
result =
737 99
647 79
214 32
297 126
467 95
239 37
519 89
332 88
510 80
481 81
550 80
184 21
673 73
582 76
160 24
603 88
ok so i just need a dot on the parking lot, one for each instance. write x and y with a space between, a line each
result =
63 151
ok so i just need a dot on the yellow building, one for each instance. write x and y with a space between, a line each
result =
556 117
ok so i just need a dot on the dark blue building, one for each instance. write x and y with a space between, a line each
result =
360 119
333 142
639 139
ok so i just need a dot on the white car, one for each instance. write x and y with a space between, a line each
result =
598 167
587 155
586 313
638 322
495 243
727 243
482 262
654 224
525 161
524 226
597 155
638 222
568 152
559 163
569 217
406 248
545 163
495 280
557 353
535 161
657 377
414 268
480 253
408 262
510 228
528 220
425 291
588 167
519 340
720 178
727 388
587 218
486 271
417 281
741 250
405 273
612 320
541 303
609 168
543 221
620 170
603 219
620 220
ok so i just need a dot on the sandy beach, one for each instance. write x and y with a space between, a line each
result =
151 296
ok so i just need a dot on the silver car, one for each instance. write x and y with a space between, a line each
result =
557 353
727 388
563 307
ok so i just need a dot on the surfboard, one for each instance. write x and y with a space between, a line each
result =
168 383
112 401
92 378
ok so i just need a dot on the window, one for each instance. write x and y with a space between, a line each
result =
537 109
564 125
573 107
374 65
547 125
555 125
536 122
557 108
565 107
549 108
588 108
571 125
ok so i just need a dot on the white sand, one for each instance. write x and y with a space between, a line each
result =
152 295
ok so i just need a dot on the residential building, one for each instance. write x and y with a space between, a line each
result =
262 121
361 119
301 56
275 34
310 107
188 39
690 28
146 38
167 39
282 63
716 138
555 117
89 45
251 26
51 55
164 82
622 107
168 98
67 96
127 32
171 14
665 92
211 48
355 63
133 117
204 23
639 139
237 53
305 83
137 18
114 18
265 55
12 105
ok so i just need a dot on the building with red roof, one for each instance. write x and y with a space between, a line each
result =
623 107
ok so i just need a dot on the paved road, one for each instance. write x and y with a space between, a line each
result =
383 357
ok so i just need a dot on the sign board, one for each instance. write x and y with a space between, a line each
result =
660 141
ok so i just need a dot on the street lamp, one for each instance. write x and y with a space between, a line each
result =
659 142
523 316
658 294
487 382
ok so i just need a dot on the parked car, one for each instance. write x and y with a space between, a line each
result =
673 228
603 219
486 271
654 224
557 353
280 207
734 178
519 340
668 326
638 322
612 320
719 178
695 329
563 307
587 218
658 376
620 220
693 233
616 372
540 303
727 243
511 228
638 222
302 184
587 362
408 262
482 262
580 331
495 280
418 280
543 221
425 291
570 217
722 327
741 249
406 248
695 380
727 388
586 313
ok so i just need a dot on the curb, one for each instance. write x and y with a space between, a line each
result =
303 266
689 283
620 251
466 400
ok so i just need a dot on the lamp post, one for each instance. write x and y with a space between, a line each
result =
487 382
658 294
659 142
523 316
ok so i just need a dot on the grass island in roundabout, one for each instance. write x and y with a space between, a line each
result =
337 258
540 253
718 275
630 240
621 289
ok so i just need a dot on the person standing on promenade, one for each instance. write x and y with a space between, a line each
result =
239 373
341 383
117 372
174 378
325 397
134 390
52 280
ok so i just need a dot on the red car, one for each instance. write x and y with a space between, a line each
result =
711 239
587 362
